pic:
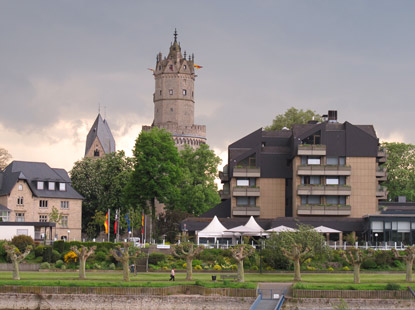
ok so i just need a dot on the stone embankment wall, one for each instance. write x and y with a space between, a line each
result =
9 301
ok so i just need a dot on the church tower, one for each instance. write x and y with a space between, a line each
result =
99 140
174 103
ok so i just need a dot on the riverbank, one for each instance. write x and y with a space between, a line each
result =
349 304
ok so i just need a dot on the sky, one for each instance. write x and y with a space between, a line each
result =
62 61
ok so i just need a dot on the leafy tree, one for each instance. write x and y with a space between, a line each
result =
409 257
16 257
187 251
5 158
298 246
55 216
21 242
400 166
124 254
198 191
356 257
291 117
156 174
239 253
83 253
101 181
168 223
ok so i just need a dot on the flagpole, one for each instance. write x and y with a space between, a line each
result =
109 226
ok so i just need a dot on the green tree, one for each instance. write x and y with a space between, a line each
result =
168 223
239 253
400 166
124 254
101 181
291 117
188 251
198 191
5 158
16 257
83 253
156 174
356 257
409 257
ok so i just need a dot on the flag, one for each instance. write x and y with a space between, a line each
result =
106 223
197 67
127 218
152 70
116 221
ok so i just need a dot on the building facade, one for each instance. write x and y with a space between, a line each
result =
99 140
29 191
327 169
174 103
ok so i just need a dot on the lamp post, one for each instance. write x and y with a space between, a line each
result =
68 234
376 236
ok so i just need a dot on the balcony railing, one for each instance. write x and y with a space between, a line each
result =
341 210
239 191
323 170
319 189
251 172
314 149
224 176
246 211
381 192
381 174
224 194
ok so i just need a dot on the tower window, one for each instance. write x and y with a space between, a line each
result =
184 67
160 92
170 91
96 153
184 92
159 67
171 109
171 67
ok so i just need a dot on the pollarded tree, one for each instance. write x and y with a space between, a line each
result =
187 251
124 254
356 257
292 117
297 255
16 257
409 258
83 253
239 253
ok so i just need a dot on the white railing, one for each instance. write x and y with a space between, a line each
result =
384 246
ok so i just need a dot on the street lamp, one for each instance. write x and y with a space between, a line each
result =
68 233
376 236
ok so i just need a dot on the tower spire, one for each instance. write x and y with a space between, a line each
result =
175 35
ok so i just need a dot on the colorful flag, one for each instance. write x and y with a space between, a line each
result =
116 221
197 67
127 218
106 223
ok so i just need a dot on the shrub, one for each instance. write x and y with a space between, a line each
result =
71 257
384 258
100 256
330 269
47 253
155 258
369 264
217 268
31 256
60 246
254 268
22 241
59 264
63 267
45 265
111 266
55 256
196 262
38 260
39 250
398 264
346 268
393 287
198 267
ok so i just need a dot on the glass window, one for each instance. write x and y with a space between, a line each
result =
64 221
332 200
170 91
342 180
315 179
51 186
43 203
62 187
20 201
20 187
332 161
19 217
332 180
304 160
404 226
388 225
314 200
43 218
242 182
184 92
313 161
64 204
4 216
24 232
241 201
377 226
342 200
252 182
40 185
394 225
342 161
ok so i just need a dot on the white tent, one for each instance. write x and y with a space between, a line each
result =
215 230
326 230
281 229
251 228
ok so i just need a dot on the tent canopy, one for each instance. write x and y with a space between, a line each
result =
281 229
251 228
214 229
324 229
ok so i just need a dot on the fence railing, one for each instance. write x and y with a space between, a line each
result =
384 246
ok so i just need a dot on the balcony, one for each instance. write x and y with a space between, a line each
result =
315 149
319 189
224 194
382 155
249 172
342 210
381 174
224 175
381 192
245 191
246 211
324 170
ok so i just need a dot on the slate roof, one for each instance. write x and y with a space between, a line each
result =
4 208
101 130
32 172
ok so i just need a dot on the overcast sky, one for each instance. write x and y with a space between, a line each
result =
60 60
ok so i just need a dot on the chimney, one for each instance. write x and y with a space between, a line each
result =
332 116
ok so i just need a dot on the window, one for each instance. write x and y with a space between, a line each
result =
184 92
51 186
64 204
4 216
332 160
184 67
310 179
246 201
20 187
170 91
242 182
62 187
64 221
336 200
40 185
24 232
160 92
19 217
313 160
171 67
20 201
43 218
43 203
96 153
332 181
310 200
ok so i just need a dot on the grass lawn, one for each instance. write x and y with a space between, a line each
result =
323 281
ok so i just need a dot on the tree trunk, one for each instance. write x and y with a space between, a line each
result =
409 264
82 262
241 272
126 270
297 270
189 270
16 273
356 273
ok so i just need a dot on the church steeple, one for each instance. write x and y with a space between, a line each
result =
175 49
99 140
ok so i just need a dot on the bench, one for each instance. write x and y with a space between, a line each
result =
229 276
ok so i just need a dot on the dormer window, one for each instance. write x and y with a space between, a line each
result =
51 186
96 153
62 187
40 185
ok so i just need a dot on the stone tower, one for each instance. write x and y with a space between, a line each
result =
174 103
99 140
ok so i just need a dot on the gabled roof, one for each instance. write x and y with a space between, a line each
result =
101 130
32 172
4 208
